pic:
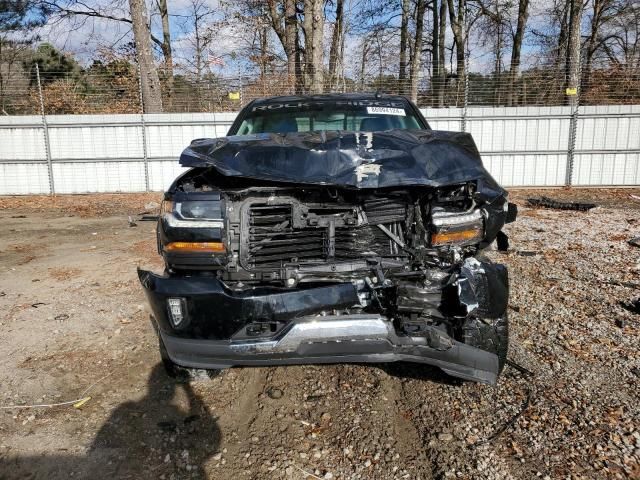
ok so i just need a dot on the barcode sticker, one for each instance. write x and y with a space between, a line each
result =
386 111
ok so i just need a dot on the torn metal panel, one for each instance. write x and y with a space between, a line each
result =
483 288
350 159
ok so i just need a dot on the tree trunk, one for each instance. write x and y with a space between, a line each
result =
414 71
572 66
442 79
263 56
598 6
335 58
151 95
167 52
166 36
435 57
457 21
497 68
313 37
298 64
198 59
291 40
404 38
288 36
514 67
562 38
363 62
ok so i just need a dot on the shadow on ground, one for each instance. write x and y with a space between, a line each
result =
144 439
418 371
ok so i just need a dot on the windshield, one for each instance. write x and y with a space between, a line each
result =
348 115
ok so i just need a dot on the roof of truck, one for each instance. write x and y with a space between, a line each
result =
327 97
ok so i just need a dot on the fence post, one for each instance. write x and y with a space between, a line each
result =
465 97
144 132
573 129
45 129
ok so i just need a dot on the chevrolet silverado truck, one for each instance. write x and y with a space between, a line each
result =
332 228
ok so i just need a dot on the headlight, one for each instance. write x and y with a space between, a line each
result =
192 231
194 210
456 228
199 210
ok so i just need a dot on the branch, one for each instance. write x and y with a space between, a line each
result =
70 12
65 11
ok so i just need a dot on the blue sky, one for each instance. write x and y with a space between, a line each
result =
85 39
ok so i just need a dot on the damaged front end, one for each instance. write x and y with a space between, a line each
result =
270 264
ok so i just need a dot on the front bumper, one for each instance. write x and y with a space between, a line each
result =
335 339
304 334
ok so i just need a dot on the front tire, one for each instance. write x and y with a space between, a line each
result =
490 335
180 373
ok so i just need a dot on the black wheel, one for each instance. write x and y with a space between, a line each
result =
179 373
489 334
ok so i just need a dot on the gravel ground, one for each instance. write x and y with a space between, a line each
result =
72 314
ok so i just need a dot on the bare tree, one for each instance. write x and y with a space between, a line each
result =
337 43
167 51
623 44
602 12
572 65
17 22
151 94
414 71
404 40
516 48
442 78
493 21
284 21
79 11
292 43
493 17
366 45
458 28
313 38
200 34
435 57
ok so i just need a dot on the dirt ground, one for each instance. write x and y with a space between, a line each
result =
73 317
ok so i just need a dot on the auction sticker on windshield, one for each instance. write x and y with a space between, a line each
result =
386 111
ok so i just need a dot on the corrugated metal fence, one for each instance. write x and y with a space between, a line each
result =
521 146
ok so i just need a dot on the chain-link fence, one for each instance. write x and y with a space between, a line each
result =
115 88
529 127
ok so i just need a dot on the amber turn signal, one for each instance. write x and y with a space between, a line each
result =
195 247
460 236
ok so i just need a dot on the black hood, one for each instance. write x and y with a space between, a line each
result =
348 159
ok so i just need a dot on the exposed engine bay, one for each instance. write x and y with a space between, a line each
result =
408 254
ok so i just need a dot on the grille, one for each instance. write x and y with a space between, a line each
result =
272 241
385 210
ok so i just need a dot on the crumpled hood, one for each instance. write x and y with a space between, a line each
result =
349 159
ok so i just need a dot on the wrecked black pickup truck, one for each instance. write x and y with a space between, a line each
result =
332 228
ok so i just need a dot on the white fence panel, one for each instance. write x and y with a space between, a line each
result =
169 134
524 170
95 137
526 129
22 138
607 169
23 178
521 146
163 173
83 177
608 146
443 118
